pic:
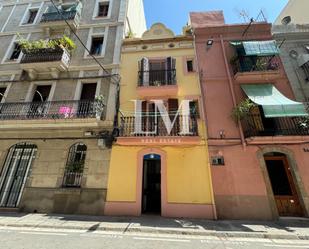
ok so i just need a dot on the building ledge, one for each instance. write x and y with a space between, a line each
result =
53 124
257 77
155 91
175 141
277 140
222 142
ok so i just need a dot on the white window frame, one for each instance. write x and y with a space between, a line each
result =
7 89
5 59
26 15
8 19
32 87
91 34
96 9
80 83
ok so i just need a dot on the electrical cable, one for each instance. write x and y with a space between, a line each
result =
79 39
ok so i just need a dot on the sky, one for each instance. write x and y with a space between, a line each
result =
174 13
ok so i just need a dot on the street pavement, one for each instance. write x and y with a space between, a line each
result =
281 229
52 231
37 238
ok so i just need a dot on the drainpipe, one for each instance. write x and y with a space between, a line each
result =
242 137
205 126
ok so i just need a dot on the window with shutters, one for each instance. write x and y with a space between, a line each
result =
157 72
103 9
96 45
16 51
190 66
194 109
32 15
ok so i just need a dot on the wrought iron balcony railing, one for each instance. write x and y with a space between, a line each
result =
72 179
154 126
157 77
255 64
55 16
70 109
255 125
46 55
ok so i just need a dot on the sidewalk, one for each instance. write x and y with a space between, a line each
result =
282 229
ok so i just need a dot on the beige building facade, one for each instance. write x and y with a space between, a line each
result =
57 107
291 31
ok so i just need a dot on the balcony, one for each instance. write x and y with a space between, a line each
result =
184 126
72 179
45 60
49 110
157 83
255 125
55 20
256 68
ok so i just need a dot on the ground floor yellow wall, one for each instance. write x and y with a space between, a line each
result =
188 174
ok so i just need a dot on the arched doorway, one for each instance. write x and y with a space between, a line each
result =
14 173
283 184
151 185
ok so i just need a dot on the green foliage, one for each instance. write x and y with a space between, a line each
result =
76 167
242 110
130 34
233 60
35 46
99 105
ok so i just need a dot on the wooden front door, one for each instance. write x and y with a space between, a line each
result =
283 186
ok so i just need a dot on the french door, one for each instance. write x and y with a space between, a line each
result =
283 186
14 173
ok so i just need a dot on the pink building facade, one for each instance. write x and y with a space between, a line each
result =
260 165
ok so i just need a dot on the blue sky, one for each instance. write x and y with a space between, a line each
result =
174 13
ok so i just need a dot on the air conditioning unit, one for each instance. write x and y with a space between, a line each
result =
217 160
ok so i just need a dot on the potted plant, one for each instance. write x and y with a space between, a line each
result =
64 43
99 106
157 83
242 110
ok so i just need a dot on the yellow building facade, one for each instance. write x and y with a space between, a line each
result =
165 172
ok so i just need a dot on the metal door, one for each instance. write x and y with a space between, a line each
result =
14 173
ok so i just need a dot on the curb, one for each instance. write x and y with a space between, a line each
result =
257 235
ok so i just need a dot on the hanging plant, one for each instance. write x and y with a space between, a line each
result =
54 44
99 106
242 110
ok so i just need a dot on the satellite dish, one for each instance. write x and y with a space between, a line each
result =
286 20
